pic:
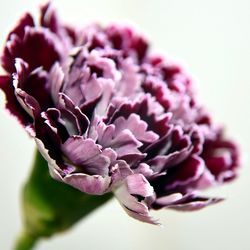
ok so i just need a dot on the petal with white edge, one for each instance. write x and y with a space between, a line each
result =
90 184
135 185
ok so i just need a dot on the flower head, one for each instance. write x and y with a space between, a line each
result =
109 116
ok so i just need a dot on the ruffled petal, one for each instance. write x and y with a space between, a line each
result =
221 158
195 204
48 18
86 155
90 184
124 38
54 169
13 39
188 172
137 127
73 117
38 47
187 202
12 104
55 81
131 196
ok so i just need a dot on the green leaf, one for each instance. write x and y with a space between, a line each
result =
49 206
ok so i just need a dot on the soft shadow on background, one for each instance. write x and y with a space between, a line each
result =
213 39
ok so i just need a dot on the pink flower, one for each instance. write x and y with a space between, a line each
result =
109 116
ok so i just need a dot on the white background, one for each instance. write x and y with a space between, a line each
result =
213 38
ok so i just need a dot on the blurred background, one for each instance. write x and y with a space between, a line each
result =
213 39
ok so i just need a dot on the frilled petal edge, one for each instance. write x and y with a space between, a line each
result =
90 184
132 194
12 104
188 202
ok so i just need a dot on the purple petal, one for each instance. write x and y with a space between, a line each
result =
91 90
163 162
12 103
119 171
29 104
53 167
107 92
125 143
135 185
222 159
124 38
55 81
86 89
90 184
95 185
196 203
48 18
168 199
131 79
86 155
157 88
45 45
105 133
107 65
205 181
33 84
144 169
187 172
53 118
187 202
7 60
73 115
38 48
138 185
137 127
169 150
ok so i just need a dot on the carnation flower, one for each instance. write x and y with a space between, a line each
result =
109 116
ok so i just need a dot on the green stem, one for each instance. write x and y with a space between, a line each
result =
25 242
